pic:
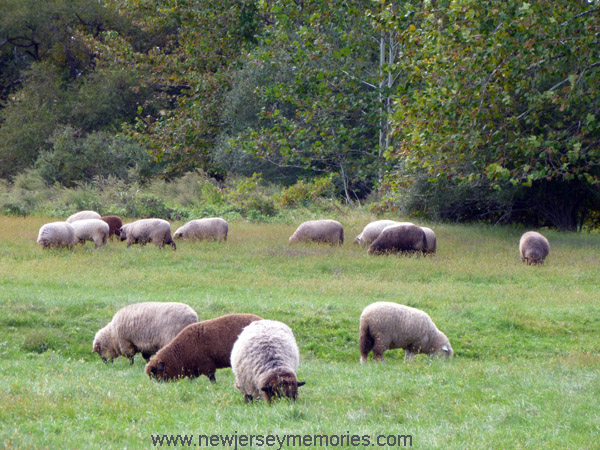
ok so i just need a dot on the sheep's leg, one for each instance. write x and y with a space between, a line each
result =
378 351
408 355
378 355
131 360
211 377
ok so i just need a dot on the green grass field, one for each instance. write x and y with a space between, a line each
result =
526 371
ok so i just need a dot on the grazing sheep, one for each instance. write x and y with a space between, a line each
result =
142 327
114 224
81 215
385 326
210 228
329 231
264 361
199 349
399 238
430 241
94 230
372 230
56 234
143 231
533 248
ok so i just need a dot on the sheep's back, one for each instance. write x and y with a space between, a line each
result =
81 215
152 324
88 228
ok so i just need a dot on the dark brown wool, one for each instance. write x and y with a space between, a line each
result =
399 239
114 223
200 348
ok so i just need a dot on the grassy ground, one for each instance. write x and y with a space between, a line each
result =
526 372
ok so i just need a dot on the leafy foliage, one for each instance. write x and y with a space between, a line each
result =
502 93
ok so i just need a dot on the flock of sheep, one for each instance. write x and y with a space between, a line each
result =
382 236
262 353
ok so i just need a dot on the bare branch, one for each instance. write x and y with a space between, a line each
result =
585 13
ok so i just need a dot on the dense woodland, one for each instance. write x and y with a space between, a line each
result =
455 110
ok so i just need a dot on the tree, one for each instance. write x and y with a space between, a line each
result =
503 93
320 105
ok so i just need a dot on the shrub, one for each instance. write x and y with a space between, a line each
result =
305 192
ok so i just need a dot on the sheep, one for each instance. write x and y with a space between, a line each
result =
114 224
533 248
210 228
83 215
264 361
372 230
94 230
199 349
430 241
143 231
142 327
329 231
56 235
399 238
385 326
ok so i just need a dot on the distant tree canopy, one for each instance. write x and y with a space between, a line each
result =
473 110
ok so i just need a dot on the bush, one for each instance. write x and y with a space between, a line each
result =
76 157
305 192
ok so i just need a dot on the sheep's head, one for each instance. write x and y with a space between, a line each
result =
443 347
281 386
122 233
106 352
156 369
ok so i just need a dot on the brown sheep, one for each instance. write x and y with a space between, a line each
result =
114 224
199 349
401 239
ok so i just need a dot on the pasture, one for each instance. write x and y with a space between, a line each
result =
526 371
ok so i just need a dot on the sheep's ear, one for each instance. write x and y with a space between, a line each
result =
301 383
161 366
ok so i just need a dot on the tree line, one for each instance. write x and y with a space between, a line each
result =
455 110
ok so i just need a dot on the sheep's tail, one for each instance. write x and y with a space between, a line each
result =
366 341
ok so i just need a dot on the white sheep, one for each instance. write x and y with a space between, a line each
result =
385 326
81 215
430 240
56 234
94 230
143 231
534 248
209 228
326 230
142 327
264 360
372 231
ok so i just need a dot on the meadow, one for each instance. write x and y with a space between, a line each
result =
526 371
